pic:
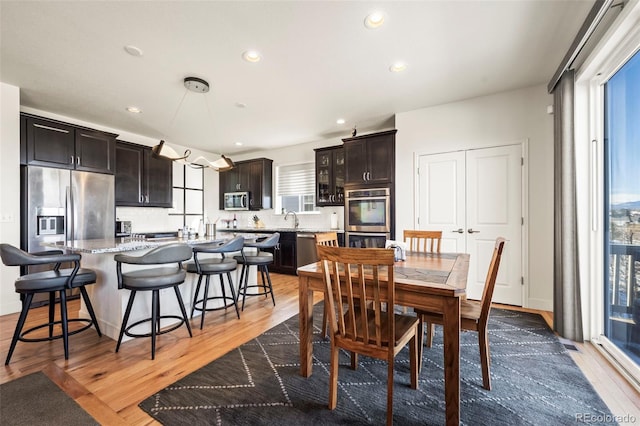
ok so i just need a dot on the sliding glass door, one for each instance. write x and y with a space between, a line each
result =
622 209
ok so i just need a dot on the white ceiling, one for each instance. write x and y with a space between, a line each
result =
319 62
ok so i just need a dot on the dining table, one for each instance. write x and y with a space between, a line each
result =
435 282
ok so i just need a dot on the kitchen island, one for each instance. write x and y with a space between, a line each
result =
109 302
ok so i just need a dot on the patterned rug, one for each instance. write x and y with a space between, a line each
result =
534 380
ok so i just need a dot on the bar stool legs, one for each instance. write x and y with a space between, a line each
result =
266 283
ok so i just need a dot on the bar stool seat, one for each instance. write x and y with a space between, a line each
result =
56 281
154 280
261 259
215 266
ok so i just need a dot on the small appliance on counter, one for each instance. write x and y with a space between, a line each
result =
123 228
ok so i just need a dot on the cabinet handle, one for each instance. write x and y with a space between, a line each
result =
364 175
368 175
141 198
77 161
72 160
146 198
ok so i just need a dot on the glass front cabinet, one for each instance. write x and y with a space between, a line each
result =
330 173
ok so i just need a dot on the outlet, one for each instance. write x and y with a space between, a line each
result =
7 218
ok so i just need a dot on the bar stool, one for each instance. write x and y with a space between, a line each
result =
215 266
154 280
52 282
261 259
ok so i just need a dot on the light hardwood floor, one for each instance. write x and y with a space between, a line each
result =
110 386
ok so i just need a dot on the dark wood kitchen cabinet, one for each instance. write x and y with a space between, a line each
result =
330 176
370 159
142 179
253 176
64 146
285 254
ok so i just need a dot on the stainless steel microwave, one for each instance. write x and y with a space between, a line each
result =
236 201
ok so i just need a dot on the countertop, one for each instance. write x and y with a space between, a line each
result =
274 229
117 245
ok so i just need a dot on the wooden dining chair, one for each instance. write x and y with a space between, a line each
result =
351 275
474 315
326 239
422 241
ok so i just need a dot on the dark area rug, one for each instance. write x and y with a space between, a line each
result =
534 382
36 400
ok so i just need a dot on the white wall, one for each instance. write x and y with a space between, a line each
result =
9 190
499 119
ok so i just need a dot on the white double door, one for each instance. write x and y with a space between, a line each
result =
475 196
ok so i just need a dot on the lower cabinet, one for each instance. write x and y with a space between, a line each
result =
284 254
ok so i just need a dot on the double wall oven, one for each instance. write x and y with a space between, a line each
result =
367 217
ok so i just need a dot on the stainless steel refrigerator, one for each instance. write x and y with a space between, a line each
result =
64 205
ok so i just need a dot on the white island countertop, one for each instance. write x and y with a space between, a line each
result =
117 245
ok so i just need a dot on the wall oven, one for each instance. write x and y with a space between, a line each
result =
236 201
367 217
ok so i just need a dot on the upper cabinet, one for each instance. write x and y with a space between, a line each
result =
370 159
55 144
252 176
330 176
142 179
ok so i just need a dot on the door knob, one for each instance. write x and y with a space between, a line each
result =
471 231
459 231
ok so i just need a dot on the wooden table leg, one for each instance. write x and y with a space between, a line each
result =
305 299
451 330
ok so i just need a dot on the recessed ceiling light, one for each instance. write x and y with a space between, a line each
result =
238 143
374 20
251 56
398 67
134 109
241 105
340 121
133 50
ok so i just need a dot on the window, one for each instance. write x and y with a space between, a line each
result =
622 208
295 188
188 196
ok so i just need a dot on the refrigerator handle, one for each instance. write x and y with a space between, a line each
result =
68 216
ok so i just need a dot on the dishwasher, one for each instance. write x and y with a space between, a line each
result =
305 249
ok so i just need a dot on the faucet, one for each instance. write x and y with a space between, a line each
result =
296 223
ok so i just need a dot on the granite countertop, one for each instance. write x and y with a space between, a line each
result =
276 229
117 245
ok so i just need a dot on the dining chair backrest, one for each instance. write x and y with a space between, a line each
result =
490 282
422 241
361 271
327 239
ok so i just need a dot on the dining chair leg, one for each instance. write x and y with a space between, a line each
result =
325 319
485 360
390 390
414 361
431 328
333 377
420 335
